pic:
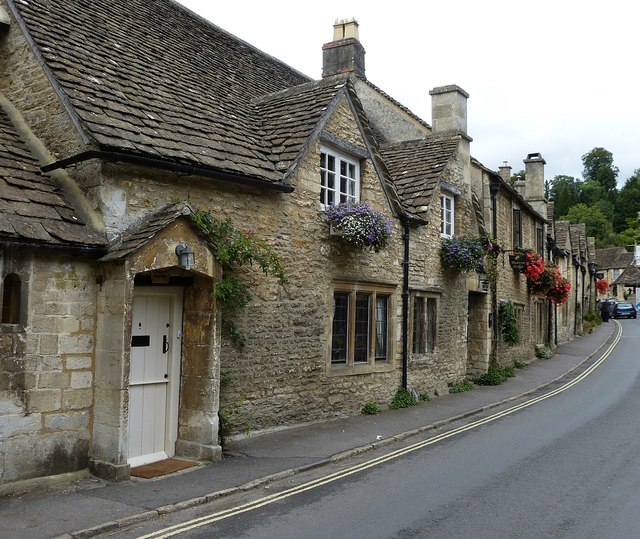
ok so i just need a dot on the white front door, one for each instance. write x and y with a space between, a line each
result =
154 377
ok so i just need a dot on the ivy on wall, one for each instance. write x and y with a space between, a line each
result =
508 323
233 249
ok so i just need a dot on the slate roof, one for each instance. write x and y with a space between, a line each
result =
416 168
151 78
33 210
140 234
613 258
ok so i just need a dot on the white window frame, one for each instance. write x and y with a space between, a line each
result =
339 178
447 215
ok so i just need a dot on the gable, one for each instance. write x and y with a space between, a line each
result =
416 168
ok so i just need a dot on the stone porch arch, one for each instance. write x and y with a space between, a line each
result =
148 256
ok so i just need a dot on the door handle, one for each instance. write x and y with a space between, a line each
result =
165 344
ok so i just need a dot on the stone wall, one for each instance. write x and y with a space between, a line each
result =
46 369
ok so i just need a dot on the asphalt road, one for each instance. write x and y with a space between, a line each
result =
567 466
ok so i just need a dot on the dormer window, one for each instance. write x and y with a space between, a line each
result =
339 179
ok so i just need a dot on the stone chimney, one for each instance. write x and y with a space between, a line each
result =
449 109
505 171
449 116
534 182
345 54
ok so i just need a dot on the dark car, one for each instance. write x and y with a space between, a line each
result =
624 310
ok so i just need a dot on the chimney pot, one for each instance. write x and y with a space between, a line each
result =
345 54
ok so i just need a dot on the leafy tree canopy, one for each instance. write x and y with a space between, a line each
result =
599 167
565 191
597 224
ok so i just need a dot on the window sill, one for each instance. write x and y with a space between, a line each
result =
335 370
11 328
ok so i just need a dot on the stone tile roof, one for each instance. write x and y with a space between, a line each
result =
32 207
591 248
416 168
140 234
577 234
289 117
562 237
149 77
629 277
613 258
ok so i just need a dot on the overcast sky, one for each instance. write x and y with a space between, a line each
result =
556 77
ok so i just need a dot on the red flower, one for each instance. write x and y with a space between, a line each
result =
602 286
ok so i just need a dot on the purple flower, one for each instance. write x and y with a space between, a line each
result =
360 224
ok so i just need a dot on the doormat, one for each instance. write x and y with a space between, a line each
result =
162 467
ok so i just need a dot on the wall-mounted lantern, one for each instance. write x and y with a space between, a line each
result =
186 257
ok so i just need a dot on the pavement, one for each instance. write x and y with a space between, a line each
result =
79 505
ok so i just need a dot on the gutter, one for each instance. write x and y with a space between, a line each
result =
72 249
123 157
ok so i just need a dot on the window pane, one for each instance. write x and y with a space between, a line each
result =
362 328
446 215
431 327
418 326
340 328
11 299
517 228
382 324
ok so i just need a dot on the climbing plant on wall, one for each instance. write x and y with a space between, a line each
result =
233 249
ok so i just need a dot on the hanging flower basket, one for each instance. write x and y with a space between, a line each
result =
359 224
602 286
559 292
461 254
518 259
464 254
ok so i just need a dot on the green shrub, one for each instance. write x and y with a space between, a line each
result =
593 317
544 352
424 397
495 375
371 408
461 386
520 365
402 399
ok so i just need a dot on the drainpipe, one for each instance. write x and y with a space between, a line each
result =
494 188
584 272
405 306
575 314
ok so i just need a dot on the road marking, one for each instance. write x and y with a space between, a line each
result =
250 506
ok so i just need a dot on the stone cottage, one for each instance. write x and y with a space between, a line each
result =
121 125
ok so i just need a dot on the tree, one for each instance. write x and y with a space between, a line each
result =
597 224
599 167
565 192
628 206
631 234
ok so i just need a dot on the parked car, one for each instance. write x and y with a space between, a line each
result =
624 309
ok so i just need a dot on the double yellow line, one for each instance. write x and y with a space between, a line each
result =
250 506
